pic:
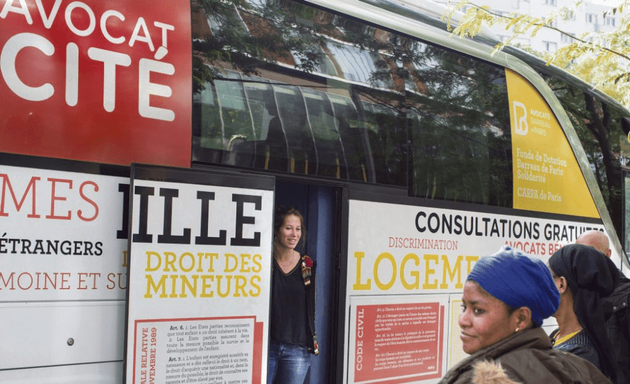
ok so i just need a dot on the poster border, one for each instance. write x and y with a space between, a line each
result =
169 174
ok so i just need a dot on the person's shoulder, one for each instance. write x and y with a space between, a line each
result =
622 290
578 367
619 299
579 340
553 366
582 346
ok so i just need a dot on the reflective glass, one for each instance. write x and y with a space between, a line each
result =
285 87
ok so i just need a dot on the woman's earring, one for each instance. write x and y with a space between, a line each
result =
517 329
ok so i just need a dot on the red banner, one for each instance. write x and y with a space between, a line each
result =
398 343
103 81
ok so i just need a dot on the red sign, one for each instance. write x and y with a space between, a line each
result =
398 343
95 80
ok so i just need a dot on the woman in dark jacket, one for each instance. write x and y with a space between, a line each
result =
505 300
584 276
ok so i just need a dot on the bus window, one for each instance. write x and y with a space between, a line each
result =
599 126
345 101
460 129
224 117
325 128
294 123
359 64
325 101
235 109
372 134
345 112
207 121
387 93
264 110
387 137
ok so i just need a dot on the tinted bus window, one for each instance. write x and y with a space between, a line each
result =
599 126
284 87
459 118
289 88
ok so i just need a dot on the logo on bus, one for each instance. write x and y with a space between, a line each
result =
520 118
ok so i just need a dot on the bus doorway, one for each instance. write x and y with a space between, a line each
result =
319 206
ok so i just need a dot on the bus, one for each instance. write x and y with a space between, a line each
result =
144 146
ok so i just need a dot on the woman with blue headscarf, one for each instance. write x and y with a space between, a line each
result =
505 300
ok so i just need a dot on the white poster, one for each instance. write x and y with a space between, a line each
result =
62 235
397 249
199 282
408 264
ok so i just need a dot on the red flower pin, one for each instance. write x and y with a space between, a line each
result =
308 262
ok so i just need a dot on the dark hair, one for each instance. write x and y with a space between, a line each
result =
281 214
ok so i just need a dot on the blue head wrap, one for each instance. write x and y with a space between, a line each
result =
518 280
